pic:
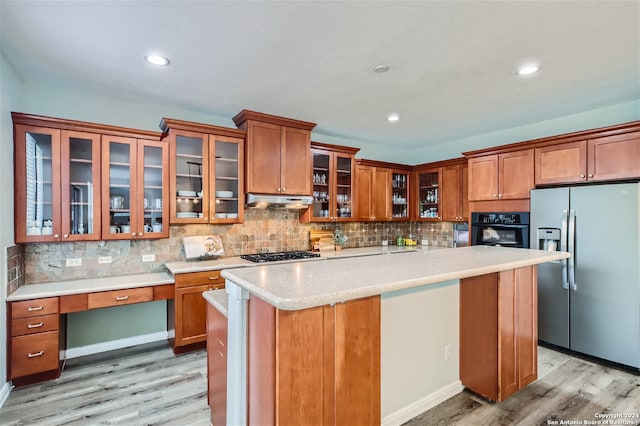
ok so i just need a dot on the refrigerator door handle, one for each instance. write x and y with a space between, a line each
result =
563 247
572 250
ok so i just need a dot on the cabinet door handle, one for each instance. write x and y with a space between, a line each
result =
590 175
133 234
56 235
33 355
65 236
121 298
40 324
35 308
494 195
279 189
582 176
284 189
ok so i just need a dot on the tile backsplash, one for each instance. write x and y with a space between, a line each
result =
15 267
262 231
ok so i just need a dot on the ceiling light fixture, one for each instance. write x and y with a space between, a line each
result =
528 69
393 118
157 60
381 69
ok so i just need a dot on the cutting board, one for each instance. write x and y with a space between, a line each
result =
321 240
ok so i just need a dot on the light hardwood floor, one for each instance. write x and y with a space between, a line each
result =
149 385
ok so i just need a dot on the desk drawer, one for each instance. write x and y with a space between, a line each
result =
22 326
34 307
34 353
119 297
199 278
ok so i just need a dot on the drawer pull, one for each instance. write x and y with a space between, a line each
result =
40 324
35 308
221 343
30 355
121 298
221 354
213 278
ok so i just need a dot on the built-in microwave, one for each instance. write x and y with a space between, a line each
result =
500 229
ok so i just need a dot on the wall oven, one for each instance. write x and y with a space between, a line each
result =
500 229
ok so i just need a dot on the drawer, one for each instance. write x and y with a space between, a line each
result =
22 326
199 278
34 353
119 297
34 307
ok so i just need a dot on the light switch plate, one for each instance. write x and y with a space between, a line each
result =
148 257
75 261
104 259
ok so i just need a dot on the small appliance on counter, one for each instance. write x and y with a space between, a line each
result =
203 247
460 234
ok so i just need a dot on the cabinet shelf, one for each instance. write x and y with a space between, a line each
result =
186 175
228 160
346 172
119 164
81 160
320 169
226 178
119 185
153 166
153 187
178 155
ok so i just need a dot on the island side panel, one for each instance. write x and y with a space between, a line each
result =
527 324
261 362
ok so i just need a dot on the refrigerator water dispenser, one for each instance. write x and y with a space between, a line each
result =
549 239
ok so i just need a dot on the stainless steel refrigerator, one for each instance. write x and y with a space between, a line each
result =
590 303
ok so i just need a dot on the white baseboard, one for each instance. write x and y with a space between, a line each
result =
115 344
4 392
410 411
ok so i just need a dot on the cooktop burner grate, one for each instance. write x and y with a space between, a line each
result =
275 257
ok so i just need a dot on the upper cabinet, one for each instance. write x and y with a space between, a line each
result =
278 154
60 186
333 179
598 159
455 193
207 164
383 191
428 191
400 194
504 176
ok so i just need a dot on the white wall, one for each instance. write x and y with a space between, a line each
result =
416 325
10 95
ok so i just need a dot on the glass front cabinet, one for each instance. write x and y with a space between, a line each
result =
400 195
64 187
333 177
207 172
428 191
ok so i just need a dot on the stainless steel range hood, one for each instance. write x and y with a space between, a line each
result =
267 201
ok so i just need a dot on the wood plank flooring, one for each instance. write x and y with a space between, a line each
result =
149 385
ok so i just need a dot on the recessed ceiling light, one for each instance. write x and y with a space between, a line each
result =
528 69
381 68
157 60
393 117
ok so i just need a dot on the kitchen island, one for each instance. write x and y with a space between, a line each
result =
304 338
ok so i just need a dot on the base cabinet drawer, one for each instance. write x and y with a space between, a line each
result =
34 353
35 307
22 326
119 297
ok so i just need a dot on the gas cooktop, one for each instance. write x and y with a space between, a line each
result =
275 257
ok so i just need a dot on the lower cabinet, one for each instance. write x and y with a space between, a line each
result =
498 332
315 366
187 312
217 365
34 346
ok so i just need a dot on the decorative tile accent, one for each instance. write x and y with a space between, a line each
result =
15 268
263 231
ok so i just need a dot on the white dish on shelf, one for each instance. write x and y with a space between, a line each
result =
199 194
224 194
186 193
232 215
186 214
221 216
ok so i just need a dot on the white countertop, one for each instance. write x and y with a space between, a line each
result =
89 285
219 300
302 285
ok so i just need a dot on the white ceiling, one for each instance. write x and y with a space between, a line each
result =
452 63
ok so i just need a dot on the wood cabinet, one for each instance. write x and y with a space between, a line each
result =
455 193
506 176
217 365
599 159
34 344
428 194
278 154
68 172
207 172
333 178
187 312
498 332
373 193
314 366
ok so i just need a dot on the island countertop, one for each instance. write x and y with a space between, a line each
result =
302 285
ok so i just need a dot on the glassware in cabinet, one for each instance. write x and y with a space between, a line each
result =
344 186
429 194
399 195
227 184
118 181
153 157
321 180
190 183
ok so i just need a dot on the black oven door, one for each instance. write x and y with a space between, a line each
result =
501 235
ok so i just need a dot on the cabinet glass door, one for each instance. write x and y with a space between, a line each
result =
321 184
400 195
190 186
80 185
39 185
118 195
226 172
344 186
153 223
428 195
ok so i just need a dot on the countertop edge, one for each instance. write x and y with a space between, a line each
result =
218 299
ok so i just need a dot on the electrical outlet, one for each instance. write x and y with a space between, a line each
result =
76 261
104 259
148 257
447 352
